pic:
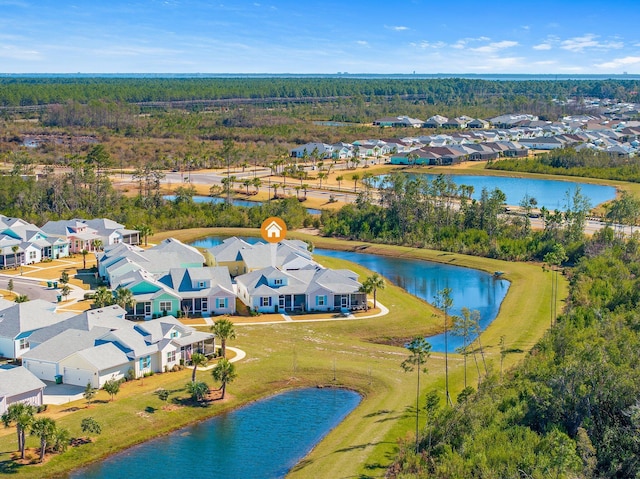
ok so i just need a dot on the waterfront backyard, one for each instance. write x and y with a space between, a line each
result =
352 354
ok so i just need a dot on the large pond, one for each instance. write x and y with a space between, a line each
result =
548 193
470 288
216 200
263 440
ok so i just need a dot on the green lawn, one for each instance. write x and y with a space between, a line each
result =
293 354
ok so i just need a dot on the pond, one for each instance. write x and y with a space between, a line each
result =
470 288
235 202
265 439
548 193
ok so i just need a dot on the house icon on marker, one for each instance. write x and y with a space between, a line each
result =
274 230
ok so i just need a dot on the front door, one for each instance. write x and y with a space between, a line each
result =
281 303
344 302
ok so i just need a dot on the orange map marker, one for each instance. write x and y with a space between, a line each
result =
273 229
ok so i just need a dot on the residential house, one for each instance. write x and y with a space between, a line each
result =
202 290
478 124
18 321
314 151
25 243
435 121
152 298
111 232
79 235
98 354
18 385
398 122
271 290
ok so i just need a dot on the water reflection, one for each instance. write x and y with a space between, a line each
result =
265 439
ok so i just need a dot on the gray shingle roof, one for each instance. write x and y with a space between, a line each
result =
18 380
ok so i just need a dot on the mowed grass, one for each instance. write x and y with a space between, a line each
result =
363 355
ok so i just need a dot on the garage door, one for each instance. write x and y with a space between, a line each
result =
77 377
44 371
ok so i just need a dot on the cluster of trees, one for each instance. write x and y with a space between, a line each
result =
568 161
85 190
571 409
440 214
21 91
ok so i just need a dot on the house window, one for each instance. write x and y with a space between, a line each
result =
222 303
265 301
200 284
205 305
145 363
174 334
165 306
32 255
24 343
171 356
321 300
277 282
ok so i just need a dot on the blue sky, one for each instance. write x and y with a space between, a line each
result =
298 36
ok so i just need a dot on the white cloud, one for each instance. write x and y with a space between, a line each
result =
396 28
17 53
425 44
495 46
589 41
463 42
364 43
542 46
619 62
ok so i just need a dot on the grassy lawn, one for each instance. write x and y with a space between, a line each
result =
297 353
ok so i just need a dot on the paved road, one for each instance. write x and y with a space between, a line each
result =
30 287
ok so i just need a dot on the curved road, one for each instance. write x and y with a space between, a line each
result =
31 287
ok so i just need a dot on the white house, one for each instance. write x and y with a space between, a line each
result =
18 385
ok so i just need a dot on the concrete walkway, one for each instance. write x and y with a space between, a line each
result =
288 319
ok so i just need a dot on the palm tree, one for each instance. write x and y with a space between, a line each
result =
339 179
223 329
420 350
84 254
15 248
256 182
375 282
145 232
247 184
355 177
102 297
97 244
22 415
45 429
197 359
224 373
125 298
197 390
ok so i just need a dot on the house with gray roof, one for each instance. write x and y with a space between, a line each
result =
202 290
19 385
114 349
24 243
271 290
112 232
18 321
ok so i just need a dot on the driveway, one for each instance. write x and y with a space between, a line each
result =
61 393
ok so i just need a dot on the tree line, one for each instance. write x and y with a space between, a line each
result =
570 409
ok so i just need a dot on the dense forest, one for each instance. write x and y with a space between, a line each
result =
571 409
23 91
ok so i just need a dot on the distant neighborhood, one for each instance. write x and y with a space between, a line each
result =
614 130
